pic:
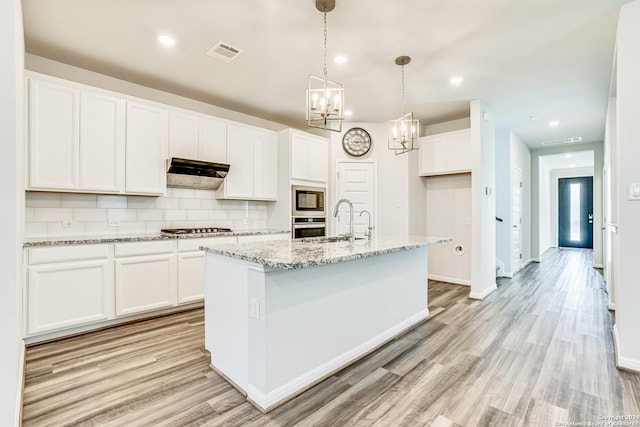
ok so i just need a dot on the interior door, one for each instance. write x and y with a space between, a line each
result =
516 219
356 182
575 212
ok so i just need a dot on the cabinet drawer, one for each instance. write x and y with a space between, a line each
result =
144 248
67 253
189 245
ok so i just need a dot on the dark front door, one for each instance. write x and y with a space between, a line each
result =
575 212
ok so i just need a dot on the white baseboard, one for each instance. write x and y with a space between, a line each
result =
612 306
267 401
483 294
453 280
624 363
20 389
508 275
598 266
535 260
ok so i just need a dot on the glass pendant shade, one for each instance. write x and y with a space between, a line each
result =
325 104
403 134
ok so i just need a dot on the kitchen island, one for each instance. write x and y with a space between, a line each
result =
281 316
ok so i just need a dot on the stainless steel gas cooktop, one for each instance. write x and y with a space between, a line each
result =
199 230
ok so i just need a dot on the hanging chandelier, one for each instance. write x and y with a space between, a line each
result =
325 99
403 132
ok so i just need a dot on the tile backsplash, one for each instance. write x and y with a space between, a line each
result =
70 214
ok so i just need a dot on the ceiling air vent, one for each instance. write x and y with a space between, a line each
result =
224 51
562 141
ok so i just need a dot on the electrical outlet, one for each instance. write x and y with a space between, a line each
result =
67 223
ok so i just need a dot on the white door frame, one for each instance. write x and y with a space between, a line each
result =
514 269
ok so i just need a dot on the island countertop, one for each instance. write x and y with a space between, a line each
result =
302 253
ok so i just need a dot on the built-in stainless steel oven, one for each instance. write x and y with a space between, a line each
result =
308 227
308 201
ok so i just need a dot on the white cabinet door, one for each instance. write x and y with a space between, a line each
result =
102 143
459 151
191 262
145 283
265 166
147 150
212 137
299 157
190 277
67 294
183 135
239 181
53 136
317 160
309 157
445 153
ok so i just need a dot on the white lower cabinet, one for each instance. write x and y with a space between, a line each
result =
191 267
145 276
68 286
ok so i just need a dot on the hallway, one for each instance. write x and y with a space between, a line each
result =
537 351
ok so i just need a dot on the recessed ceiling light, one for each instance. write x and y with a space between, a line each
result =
167 39
340 59
456 80
534 117
348 113
554 123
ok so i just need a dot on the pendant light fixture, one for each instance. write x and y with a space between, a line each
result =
325 99
403 132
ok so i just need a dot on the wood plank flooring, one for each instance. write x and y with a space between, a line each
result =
536 352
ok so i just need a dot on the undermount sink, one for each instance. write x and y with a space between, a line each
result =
329 239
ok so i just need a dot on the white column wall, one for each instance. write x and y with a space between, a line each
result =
627 156
12 212
520 156
483 202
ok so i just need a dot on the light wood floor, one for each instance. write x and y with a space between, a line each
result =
536 352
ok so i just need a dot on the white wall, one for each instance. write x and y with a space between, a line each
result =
627 172
391 215
503 196
544 211
12 212
520 157
448 213
483 180
611 241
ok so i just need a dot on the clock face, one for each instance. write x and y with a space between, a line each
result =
356 142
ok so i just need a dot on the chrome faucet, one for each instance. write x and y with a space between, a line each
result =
367 233
335 214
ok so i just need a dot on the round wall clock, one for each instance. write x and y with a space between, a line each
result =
356 142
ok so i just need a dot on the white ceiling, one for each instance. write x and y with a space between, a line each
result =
549 58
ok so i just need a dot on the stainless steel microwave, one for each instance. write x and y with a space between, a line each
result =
308 201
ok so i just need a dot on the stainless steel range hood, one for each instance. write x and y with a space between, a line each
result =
187 173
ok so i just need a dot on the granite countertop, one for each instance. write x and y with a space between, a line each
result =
301 253
117 238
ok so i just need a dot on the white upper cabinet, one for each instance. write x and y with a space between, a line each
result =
183 135
192 136
53 136
212 140
445 153
253 158
102 143
147 148
309 156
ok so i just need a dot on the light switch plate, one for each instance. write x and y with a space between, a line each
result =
634 191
